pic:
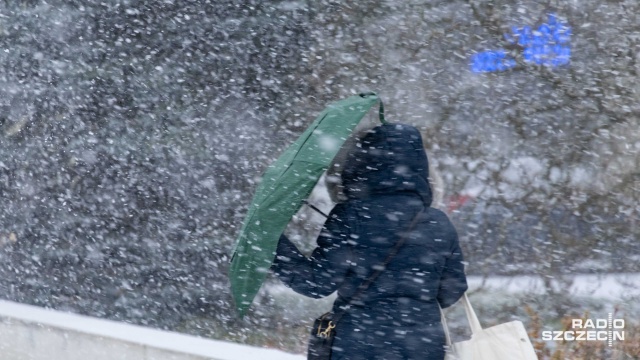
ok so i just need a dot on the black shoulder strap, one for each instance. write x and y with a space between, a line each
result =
381 267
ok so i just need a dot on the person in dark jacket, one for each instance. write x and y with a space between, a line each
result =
386 183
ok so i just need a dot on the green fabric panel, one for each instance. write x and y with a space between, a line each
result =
285 184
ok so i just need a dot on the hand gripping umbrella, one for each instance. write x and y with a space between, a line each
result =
285 186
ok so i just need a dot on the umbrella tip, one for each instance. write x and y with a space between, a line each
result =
365 95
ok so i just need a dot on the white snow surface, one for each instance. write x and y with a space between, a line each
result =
180 343
604 286
615 287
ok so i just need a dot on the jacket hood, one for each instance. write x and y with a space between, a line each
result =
389 158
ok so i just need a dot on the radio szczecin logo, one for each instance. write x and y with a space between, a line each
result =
608 330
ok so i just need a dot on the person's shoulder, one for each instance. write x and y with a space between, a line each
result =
437 213
439 217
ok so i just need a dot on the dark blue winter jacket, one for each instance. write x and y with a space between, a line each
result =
397 317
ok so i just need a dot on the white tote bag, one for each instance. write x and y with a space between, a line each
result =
508 341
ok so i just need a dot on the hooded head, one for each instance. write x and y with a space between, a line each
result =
388 159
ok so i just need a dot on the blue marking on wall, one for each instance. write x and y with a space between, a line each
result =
548 45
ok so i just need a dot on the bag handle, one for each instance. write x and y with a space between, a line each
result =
443 319
474 323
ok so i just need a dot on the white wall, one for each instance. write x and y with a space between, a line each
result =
32 333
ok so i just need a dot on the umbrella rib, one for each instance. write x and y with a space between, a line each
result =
315 208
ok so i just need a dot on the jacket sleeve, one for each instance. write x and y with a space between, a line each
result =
322 273
453 281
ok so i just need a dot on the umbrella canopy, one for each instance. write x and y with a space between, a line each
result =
285 185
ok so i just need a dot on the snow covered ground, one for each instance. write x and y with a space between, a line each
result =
590 292
602 286
609 288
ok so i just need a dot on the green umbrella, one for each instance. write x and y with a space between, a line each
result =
285 186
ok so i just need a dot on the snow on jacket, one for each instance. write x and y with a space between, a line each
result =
386 184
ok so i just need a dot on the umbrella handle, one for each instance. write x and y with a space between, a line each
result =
380 109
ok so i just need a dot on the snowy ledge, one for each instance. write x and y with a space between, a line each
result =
33 333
